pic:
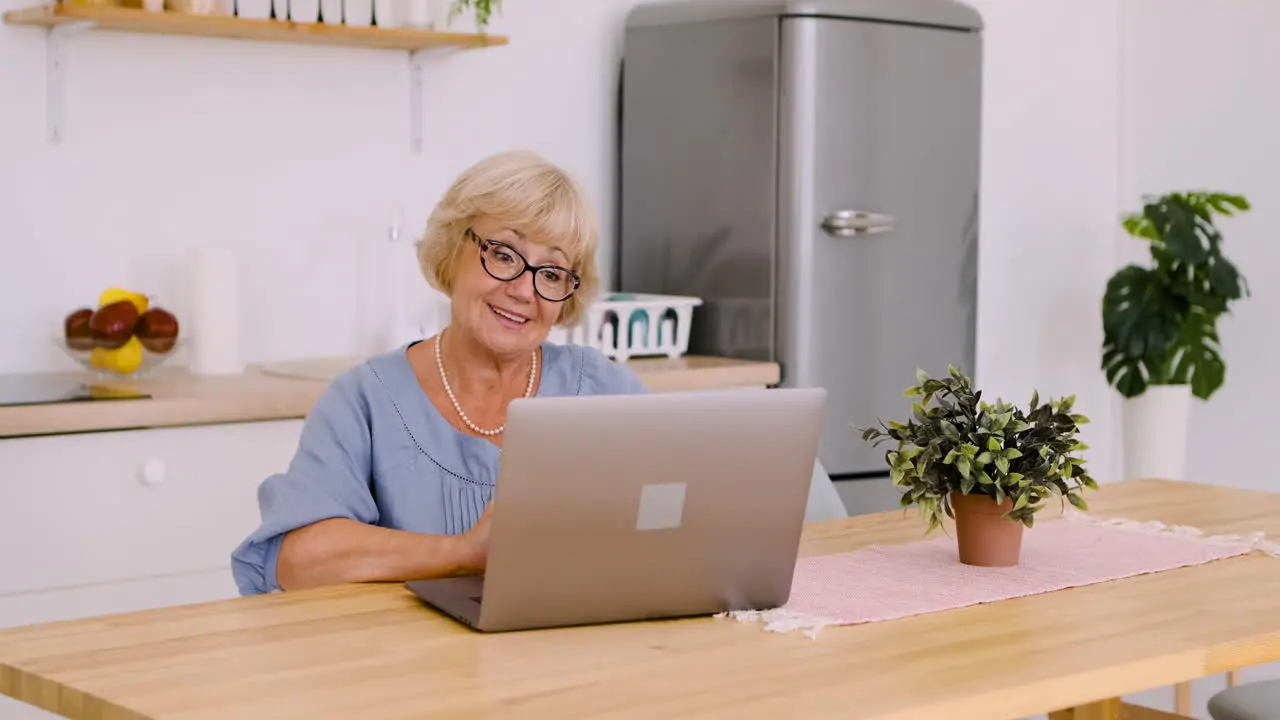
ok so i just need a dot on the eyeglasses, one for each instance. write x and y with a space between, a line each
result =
503 262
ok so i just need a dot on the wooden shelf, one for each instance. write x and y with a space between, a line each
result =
279 31
61 20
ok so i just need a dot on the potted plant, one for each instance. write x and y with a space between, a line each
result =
1160 335
989 467
484 10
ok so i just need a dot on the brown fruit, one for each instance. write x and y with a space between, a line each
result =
76 329
112 325
157 328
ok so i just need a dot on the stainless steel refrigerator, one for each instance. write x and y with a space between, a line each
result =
810 169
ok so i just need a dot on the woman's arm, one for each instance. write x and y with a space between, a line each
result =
340 550
319 519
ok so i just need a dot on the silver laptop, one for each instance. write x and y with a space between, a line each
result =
629 507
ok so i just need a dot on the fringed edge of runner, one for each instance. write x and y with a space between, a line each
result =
1253 541
781 620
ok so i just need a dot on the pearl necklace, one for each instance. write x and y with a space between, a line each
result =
533 373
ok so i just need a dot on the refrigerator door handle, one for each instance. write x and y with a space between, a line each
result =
847 223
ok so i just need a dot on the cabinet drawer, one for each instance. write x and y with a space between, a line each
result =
118 597
101 507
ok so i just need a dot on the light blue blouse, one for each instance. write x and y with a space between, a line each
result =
376 450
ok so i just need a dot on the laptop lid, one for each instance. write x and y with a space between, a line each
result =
627 507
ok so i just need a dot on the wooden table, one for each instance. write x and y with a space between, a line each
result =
373 651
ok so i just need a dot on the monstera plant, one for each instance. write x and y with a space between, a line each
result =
1160 324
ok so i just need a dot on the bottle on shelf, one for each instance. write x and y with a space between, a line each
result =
253 9
417 13
304 11
331 12
438 13
388 13
357 13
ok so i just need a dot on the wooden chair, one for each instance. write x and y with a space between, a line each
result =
824 501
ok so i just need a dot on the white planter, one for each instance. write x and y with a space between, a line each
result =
438 13
1155 433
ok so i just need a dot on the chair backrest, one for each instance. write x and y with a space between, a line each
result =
824 501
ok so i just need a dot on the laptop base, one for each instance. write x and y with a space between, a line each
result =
458 597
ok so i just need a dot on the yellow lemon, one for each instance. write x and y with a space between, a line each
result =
101 358
129 356
117 294
124 360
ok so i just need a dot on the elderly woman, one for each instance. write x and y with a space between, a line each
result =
397 461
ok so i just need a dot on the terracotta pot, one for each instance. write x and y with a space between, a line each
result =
985 538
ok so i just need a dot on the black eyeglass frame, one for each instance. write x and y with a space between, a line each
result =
484 244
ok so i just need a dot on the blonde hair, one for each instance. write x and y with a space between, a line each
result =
528 193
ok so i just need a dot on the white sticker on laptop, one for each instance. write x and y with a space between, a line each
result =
661 506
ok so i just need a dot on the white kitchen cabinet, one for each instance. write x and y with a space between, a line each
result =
116 521
869 495
115 597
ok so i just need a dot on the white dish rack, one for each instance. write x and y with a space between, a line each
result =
627 325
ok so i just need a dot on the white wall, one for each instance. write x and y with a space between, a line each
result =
295 156
1050 152
1202 108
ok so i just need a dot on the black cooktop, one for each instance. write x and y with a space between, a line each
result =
20 389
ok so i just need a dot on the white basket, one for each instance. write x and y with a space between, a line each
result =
627 325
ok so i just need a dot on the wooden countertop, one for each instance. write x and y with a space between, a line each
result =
283 391
375 651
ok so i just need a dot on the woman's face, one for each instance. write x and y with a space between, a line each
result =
507 317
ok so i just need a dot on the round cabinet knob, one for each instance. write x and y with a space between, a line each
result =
153 471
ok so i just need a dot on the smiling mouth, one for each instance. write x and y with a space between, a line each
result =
509 316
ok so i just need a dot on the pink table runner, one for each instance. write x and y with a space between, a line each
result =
893 581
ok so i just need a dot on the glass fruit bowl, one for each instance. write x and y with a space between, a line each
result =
126 337
131 361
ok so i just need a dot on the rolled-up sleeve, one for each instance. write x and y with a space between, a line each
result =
328 477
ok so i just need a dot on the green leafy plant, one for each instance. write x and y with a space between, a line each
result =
1160 322
962 444
484 10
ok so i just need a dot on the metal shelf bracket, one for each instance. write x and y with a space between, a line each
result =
416 60
56 75
415 102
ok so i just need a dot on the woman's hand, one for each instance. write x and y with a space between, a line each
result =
475 543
